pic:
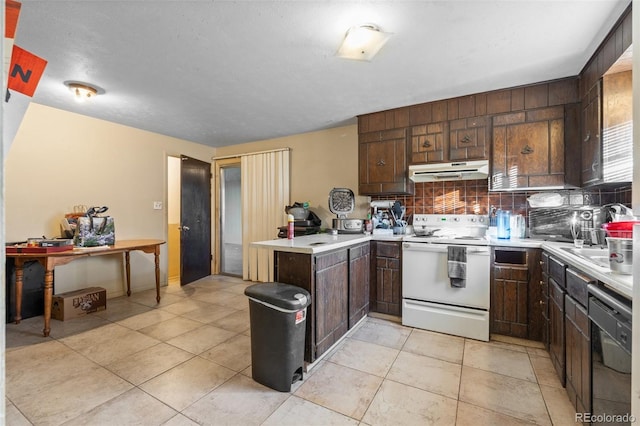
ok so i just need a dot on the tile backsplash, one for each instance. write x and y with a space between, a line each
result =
473 197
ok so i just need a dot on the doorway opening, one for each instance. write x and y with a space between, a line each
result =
229 253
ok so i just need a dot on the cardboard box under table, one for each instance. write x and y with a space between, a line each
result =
77 303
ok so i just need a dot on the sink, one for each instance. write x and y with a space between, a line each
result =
598 256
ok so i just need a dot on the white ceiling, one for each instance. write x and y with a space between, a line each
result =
228 72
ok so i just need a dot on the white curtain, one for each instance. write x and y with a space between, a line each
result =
265 193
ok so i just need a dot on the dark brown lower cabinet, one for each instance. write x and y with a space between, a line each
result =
338 282
386 272
359 265
557 329
578 350
517 301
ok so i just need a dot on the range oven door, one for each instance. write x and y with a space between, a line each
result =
425 275
431 303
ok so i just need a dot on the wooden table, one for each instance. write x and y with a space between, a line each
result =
51 260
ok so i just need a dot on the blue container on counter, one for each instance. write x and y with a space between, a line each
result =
504 224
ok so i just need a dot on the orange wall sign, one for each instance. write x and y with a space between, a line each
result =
12 12
25 71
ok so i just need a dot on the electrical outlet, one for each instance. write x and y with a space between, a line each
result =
157 205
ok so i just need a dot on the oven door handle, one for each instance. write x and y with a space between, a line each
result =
442 248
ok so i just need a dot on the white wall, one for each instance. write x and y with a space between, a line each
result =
59 159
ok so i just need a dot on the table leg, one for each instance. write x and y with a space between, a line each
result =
156 255
19 278
48 296
127 268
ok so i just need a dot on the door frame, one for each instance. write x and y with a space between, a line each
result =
217 235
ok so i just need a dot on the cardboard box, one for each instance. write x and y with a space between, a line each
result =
77 303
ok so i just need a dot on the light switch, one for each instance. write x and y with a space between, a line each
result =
157 205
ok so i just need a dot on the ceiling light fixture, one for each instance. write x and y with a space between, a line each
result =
82 91
362 42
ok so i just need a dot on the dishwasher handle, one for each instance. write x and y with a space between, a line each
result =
611 301
442 248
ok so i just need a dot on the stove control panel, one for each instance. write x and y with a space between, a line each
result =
450 220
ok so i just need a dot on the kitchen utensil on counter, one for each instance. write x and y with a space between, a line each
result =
341 203
517 226
300 211
424 232
504 224
623 229
617 212
620 255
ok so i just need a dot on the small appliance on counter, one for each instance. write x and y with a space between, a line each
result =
342 202
557 223
305 221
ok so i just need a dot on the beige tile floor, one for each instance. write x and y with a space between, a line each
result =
187 361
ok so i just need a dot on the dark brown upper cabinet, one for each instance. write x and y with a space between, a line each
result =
382 163
529 149
606 94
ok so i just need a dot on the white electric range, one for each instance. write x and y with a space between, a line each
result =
429 299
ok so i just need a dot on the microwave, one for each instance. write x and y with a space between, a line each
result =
554 223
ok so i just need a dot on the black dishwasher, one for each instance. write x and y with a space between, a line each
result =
610 318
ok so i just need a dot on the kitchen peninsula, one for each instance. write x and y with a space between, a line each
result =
335 269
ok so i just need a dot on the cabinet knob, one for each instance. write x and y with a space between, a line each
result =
542 263
541 302
586 138
465 139
526 150
541 283
426 144
381 163
594 166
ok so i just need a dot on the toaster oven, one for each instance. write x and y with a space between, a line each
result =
554 223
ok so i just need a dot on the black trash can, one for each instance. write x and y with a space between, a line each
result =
278 314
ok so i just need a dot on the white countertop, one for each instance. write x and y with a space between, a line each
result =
311 244
622 284
319 243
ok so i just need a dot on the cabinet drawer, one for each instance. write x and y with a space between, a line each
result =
556 293
557 271
544 263
387 249
577 286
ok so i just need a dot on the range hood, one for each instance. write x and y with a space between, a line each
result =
439 172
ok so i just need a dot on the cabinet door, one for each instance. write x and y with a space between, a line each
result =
528 149
578 349
359 264
383 163
468 139
556 329
537 301
509 302
386 287
331 299
428 143
591 141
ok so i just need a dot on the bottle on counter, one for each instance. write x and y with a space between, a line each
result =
290 226
368 225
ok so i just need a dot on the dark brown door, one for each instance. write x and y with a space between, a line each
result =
195 213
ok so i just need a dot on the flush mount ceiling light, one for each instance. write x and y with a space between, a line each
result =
82 91
362 42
